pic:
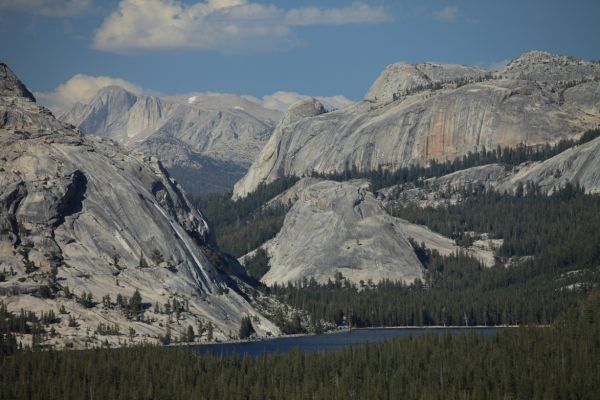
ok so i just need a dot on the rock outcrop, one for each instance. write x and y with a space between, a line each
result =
557 70
577 165
79 212
340 227
10 85
210 132
447 189
413 114
401 79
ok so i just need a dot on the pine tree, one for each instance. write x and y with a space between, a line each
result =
246 328
135 304
209 329
190 334
157 257
143 263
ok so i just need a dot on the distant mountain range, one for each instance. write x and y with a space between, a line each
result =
206 140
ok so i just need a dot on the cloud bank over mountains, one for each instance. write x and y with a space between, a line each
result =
82 88
281 100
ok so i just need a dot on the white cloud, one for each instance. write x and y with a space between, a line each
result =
222 25
80 89
282 100
49 8
446 14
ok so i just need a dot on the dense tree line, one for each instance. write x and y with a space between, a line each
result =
24 322
456 290
560 361
257 265
240 238
241 226
560 230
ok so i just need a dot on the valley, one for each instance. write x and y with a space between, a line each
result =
450 201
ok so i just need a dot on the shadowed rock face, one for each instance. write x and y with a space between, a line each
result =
413 115
10 85
87 208
189 134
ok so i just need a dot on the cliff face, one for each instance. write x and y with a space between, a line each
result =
412 115
81 213
210 132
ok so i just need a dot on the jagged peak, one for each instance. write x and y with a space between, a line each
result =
19 110
11 86
112 91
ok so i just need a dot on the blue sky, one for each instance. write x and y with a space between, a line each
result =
257 47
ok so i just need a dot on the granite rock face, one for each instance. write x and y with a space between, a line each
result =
207 130
10 85
401 79
586 95
577 165
340 227
557 70
447 189
412 115
82 213
269 159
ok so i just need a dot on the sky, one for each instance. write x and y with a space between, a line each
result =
65 50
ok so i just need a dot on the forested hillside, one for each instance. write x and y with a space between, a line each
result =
560 361
548 258
556 260
243 225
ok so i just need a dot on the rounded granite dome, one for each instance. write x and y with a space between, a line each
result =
305 108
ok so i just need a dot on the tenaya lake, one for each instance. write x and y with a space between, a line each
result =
331 341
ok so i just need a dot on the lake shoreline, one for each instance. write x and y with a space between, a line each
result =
267 339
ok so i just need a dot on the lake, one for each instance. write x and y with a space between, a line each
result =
329 341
